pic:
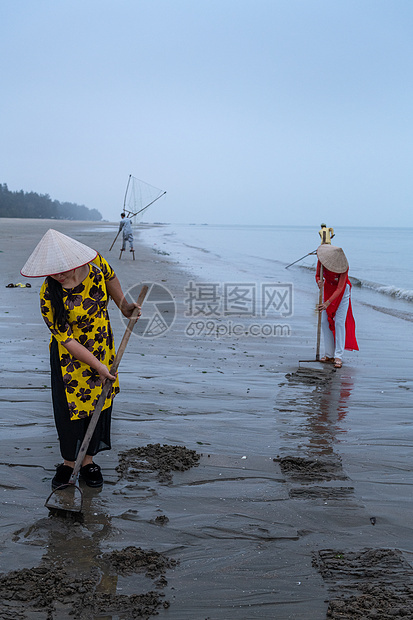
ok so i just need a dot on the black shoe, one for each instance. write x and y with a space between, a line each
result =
92 475
62 476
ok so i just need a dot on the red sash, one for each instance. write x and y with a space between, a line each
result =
330 285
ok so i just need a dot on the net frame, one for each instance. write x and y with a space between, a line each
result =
139 196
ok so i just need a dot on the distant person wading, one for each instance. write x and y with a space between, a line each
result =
125 225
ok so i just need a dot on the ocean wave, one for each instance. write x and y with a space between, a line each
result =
384 289
391 291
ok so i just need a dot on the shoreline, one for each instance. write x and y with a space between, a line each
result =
289 468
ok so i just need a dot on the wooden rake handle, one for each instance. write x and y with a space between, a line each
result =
107 387
128 331
320 301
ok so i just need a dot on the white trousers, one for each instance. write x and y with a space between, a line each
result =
331 348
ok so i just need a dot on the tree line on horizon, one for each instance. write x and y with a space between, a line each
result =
40 206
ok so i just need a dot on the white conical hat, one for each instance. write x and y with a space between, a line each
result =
56 253
332 258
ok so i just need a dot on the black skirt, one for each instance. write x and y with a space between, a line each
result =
72 432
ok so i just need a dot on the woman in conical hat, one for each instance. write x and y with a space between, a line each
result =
337 321
73 301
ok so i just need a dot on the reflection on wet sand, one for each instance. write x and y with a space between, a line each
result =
331 405
315 426
76 577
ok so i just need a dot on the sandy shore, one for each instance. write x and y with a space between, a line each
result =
291 499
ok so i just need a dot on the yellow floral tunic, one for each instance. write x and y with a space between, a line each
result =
88 323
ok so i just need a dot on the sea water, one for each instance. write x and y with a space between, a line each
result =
380 258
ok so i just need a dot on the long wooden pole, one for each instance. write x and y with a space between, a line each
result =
114 241
126 193
298 259
106 388
148 205
320 301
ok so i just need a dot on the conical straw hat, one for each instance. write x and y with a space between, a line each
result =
332 258
56 253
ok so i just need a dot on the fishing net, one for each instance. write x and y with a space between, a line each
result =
139 196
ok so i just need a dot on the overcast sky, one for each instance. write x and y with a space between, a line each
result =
246 111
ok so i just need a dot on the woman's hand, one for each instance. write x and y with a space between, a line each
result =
323 306
320 283
84 355
104 374
127 308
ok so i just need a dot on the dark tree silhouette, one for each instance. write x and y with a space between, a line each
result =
32 205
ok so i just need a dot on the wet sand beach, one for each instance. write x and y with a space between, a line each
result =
237 487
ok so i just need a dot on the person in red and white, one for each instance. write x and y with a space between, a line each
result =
337 321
